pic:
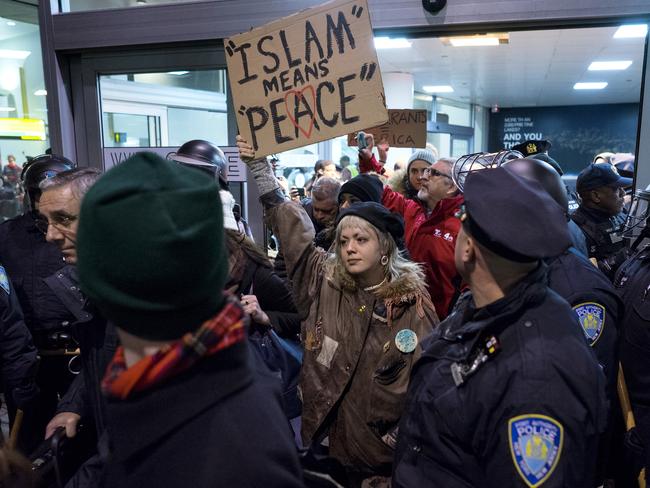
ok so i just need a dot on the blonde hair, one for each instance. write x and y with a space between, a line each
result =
397 264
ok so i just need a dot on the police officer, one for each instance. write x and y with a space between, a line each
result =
590 294
601 216
208 158
506 392
18 356
204 156
632 282
539 150
588 291
59 205
28 258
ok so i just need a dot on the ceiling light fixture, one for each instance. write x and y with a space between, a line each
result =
13 54
9 78
40 93
388 43
594 85
631 31
11 23
477 40
609 65
7 109
177 73
437 88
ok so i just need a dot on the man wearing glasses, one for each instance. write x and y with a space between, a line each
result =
59 206
430 225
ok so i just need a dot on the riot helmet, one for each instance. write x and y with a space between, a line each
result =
41 168
543 173
478 161
204 156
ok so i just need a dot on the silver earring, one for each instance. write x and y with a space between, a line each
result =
384 260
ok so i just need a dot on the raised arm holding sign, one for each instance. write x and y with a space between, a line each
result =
306 78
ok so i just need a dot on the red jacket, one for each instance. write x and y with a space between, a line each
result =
431 241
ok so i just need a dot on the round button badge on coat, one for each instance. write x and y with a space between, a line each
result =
406 340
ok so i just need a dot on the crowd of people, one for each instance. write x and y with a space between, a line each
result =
436 325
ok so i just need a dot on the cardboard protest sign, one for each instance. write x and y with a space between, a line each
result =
306 78
405 128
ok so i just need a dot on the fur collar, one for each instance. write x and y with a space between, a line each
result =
403 289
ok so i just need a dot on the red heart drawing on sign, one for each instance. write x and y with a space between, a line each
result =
300 94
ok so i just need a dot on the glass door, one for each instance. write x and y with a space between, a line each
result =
158 99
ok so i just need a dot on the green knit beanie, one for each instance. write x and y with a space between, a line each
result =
150 247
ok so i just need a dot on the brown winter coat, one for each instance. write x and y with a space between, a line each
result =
354 379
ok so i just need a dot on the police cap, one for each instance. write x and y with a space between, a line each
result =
512 217
600 174
538 150
528 148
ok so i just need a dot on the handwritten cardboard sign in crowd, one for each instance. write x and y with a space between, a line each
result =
405 128
306 78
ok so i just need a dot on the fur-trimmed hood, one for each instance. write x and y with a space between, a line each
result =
408 288
397 182
405 288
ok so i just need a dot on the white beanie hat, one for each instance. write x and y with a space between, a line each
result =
422 155
228 202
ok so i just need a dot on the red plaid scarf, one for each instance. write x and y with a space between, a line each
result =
221 331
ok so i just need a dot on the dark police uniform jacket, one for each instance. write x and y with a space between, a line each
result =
18 355
531 414
593 297
97 343
216 424
28 259
633 284
604 237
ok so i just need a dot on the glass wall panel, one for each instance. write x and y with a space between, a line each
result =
164 109
23 108
457 113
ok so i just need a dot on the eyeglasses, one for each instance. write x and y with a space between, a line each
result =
434 172
62 223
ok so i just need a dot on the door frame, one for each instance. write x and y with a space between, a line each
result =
86 68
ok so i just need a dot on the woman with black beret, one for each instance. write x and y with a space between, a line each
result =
366 310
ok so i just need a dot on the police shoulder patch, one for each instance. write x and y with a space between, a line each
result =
591 316
4 280
536 445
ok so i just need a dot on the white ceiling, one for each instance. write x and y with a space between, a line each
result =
536 68
8 31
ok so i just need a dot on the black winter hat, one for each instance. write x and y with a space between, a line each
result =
150 247
367 188
377 215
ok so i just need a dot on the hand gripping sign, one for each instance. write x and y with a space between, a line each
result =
306 78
